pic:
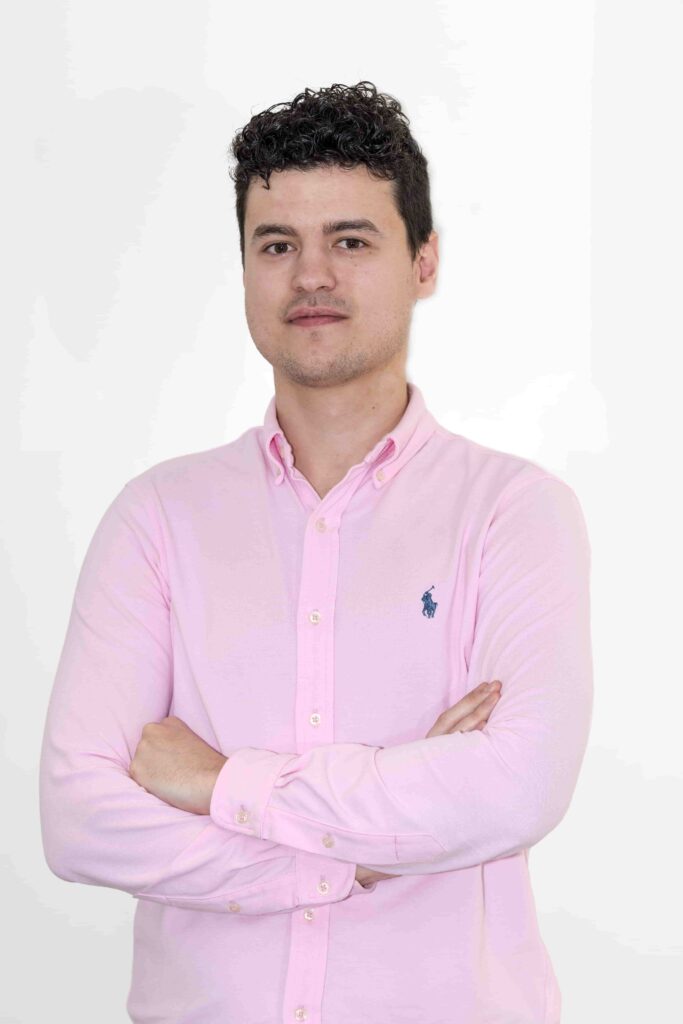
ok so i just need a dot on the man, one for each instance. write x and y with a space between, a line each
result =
267 723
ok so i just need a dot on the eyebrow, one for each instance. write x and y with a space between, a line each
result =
329 228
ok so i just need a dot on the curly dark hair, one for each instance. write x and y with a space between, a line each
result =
342 125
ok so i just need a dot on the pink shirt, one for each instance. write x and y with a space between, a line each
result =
315 642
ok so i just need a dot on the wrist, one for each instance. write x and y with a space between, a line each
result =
211 776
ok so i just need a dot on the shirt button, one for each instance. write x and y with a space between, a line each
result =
380 474
242 816
323 888
315 718
320 525
308 914
328 840
300 1013
233 906
315 616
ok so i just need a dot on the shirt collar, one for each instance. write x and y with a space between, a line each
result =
393 450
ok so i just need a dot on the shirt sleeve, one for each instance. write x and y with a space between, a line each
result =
114 675
453 801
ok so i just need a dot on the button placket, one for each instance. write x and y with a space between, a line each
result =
314 725
318 583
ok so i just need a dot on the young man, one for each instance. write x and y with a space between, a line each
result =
267 723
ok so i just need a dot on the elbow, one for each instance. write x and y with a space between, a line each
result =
532 794
505 827
60 855
58 852
541 809
524 824
58 865
536 827
62 814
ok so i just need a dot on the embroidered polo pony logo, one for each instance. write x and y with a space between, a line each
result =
429 606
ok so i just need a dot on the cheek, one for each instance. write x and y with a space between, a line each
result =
259 305
387 299
386 287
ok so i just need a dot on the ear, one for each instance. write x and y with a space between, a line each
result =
427 265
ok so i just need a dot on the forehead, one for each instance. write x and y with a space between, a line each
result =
320 193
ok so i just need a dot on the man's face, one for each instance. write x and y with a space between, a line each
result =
365 274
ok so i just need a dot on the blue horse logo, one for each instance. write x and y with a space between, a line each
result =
429 606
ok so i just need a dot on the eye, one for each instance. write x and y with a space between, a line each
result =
354 240
353 248
271 246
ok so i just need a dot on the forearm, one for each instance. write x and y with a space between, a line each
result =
115 675
453 801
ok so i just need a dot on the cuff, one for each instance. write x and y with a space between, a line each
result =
325 880
322 879
243 787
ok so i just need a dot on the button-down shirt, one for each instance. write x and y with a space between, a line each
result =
314 642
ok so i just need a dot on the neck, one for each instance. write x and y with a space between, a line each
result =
332 429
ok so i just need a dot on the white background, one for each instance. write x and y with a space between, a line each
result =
553 134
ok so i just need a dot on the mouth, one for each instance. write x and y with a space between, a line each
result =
316 321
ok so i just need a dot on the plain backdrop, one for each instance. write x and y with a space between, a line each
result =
553 134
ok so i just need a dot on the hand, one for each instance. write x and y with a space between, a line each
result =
471 712
366 875
175 764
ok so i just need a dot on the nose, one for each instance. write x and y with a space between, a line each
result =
312 269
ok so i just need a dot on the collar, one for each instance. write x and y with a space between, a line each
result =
393 450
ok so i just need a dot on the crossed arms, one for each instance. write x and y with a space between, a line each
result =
434 804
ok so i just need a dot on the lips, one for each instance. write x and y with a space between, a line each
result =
317 314
316 321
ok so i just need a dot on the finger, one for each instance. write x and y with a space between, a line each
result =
479 717
467 705
447 723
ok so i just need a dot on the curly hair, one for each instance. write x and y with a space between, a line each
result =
344 126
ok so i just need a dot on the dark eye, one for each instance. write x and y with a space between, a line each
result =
354 240
353 248
271 246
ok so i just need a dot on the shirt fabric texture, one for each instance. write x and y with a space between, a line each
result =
314 642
